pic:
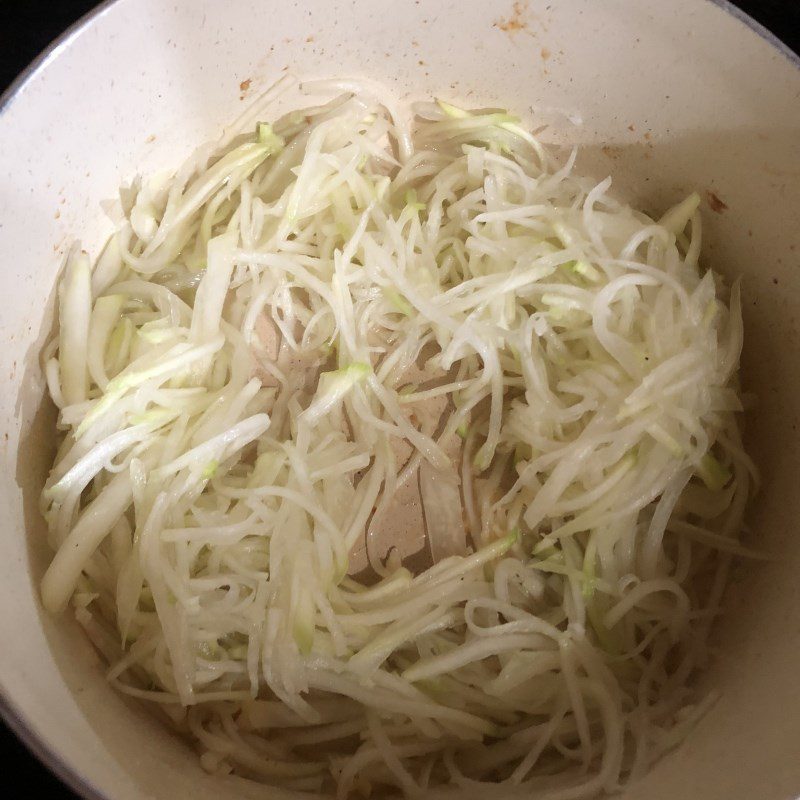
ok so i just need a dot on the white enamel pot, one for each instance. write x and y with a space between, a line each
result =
674 96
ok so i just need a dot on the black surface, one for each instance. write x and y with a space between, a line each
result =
26 28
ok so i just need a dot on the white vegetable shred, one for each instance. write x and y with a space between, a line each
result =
350 316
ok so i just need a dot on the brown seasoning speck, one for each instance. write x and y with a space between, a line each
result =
714 203
515 22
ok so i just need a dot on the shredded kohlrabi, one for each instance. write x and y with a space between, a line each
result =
396 457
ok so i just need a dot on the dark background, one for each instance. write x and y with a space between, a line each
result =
26 27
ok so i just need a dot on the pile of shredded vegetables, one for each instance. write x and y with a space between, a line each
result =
314 316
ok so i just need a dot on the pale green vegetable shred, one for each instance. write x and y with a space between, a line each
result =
289 333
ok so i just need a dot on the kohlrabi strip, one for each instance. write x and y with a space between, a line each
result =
350 329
